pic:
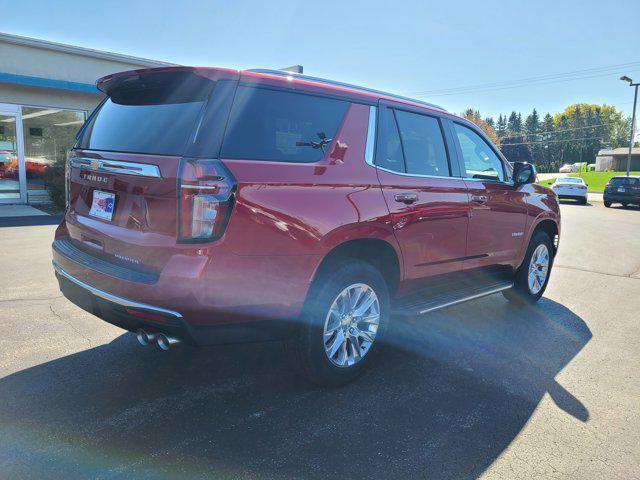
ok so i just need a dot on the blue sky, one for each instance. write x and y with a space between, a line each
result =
407 47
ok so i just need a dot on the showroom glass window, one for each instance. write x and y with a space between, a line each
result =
48 134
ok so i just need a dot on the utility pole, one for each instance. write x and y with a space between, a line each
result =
633 119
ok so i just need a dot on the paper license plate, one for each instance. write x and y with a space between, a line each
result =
103 205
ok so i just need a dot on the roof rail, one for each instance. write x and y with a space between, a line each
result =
342 84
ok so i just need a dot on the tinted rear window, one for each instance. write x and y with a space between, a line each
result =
160 129
569 180
152 113
615 181
282 126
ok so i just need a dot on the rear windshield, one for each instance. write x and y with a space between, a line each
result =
153 116
281 126
615 181
569 180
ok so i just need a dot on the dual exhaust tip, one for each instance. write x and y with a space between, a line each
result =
164 341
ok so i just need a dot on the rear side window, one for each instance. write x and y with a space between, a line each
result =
281 126
480 161
153 114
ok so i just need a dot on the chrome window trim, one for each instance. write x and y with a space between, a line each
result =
371 136
370 149
116 166
403 174
113 298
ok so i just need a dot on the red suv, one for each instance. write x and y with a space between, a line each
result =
208 205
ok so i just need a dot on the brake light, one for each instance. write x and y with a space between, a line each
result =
207 194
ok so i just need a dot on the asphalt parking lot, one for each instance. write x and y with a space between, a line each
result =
484 389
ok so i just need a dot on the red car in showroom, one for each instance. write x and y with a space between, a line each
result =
208 205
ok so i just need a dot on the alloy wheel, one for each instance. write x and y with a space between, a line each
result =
351 325
538 269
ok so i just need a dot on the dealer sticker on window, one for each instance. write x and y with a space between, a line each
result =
102 205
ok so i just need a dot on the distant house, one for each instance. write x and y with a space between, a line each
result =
616 159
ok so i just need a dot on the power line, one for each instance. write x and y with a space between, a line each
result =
532 79
528 84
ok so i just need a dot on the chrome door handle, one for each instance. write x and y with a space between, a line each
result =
479 198
406 198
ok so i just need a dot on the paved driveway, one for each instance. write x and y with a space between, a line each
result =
483 389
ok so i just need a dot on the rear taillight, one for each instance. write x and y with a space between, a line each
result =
206 196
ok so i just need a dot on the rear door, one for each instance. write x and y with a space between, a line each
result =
497 216
427 201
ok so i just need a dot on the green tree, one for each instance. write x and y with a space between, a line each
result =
475 117
532 135
513 144
501 126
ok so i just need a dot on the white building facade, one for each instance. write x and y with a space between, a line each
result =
47 90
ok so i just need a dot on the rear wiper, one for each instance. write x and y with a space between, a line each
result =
321 144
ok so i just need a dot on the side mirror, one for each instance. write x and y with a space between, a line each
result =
523 173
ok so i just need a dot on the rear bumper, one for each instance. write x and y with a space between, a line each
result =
132 315
619 198
570 193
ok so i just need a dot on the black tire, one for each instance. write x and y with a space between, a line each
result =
306 348
521 293
607 204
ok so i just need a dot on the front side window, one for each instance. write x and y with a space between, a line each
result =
480 161
423 145
411 143
281 126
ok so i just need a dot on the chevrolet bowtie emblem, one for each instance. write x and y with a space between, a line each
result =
96 164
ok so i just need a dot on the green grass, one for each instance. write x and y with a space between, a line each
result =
595 180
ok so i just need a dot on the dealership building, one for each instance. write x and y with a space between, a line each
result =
47 90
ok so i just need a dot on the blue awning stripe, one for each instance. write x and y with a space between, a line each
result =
47 83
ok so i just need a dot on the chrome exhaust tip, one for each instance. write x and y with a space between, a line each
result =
165 342
145 338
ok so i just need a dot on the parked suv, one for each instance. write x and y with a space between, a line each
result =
208 205
623 190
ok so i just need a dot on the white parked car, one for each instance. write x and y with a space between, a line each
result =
568 168
571 187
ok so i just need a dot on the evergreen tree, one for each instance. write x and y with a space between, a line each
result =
547 147
501 126
532 130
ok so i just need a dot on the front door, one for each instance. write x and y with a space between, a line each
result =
428 204
497 217
13 188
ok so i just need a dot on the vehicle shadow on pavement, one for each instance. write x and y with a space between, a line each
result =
445 401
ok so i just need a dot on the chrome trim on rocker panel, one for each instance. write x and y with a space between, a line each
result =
116 166
113 298
506 286
371 136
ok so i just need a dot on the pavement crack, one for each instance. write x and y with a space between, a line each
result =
633 276
69 324
45 299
